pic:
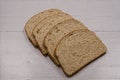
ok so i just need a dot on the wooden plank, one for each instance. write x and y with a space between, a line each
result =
20 60
98 15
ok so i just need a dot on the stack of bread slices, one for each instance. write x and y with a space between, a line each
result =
67 41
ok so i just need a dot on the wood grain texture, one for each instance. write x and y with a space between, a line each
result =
19 60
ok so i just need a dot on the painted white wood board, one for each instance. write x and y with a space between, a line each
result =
19 60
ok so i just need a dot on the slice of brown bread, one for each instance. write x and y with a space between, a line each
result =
49 24
77 49
33 21
58 32
43 22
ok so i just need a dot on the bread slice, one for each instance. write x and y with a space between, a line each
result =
77 49
58 32
33 21
49 24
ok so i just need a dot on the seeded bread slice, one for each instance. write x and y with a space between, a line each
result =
33 21
77 49
58 32
49 24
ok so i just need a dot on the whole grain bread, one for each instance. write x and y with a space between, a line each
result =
33 21
49 24
77 49
58 32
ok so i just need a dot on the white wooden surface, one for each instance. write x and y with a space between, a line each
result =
19 60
